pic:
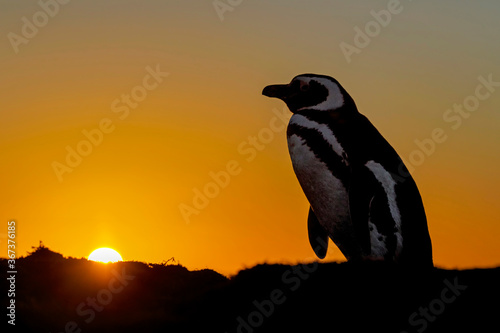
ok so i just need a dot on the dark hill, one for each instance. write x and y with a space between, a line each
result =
56 294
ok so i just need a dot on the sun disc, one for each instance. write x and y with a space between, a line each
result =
105 255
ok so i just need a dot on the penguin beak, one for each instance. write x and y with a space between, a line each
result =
280 91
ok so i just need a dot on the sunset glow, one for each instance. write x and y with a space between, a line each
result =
142 125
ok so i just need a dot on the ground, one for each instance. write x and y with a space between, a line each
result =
57 294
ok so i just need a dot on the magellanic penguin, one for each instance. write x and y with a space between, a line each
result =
361 194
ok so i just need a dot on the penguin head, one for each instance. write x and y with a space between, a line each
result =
310 92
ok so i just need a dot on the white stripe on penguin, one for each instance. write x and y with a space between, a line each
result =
323 129
388 183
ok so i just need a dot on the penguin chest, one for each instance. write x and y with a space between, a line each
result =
322 172
325 190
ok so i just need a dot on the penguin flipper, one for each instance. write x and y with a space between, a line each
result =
361 194
318 237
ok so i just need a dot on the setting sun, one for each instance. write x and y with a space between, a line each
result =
105 255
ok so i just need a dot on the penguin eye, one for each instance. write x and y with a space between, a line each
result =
304 87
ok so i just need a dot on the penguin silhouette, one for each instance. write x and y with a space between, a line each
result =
361 194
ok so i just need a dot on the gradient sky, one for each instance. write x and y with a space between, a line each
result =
200 119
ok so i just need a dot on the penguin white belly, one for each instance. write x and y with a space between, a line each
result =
326 193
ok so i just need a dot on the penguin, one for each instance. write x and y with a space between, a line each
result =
361 194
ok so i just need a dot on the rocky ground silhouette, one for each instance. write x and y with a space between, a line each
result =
57 294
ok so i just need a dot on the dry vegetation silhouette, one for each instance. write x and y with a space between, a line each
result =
58 294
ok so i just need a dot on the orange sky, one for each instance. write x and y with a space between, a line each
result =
90 66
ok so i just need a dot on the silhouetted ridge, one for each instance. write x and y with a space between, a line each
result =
52 291
42 253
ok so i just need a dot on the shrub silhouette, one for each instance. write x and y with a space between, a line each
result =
166 297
